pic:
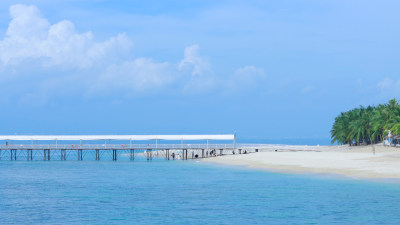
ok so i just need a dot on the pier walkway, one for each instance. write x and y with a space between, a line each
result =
50 147
17 147
101 151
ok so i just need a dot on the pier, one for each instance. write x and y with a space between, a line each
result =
54 147
113 151
50 147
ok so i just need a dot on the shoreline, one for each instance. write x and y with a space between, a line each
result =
352 162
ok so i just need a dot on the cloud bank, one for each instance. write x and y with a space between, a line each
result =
105 68
31 36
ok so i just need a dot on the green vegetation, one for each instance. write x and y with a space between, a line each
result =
366 125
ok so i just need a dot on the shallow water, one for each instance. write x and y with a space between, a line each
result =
184 192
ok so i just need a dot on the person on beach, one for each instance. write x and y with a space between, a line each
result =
207 154
173 156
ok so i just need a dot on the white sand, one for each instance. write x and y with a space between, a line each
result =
354 162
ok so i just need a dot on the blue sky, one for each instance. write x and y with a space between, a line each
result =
267 69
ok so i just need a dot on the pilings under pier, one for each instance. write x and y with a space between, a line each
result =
63 155
46 154
80 155
114 155
13 154
149 154
31 152
97 154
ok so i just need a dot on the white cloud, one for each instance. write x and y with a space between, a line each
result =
191 75
193 61
139 75
389 88
245 78
202 78
385 83
31 36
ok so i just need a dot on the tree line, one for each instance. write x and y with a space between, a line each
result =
366 125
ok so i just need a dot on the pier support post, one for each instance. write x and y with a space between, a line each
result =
97 154
80 155
240 151
149 155
48 154
29 154
202 153
63 154
114 154
44 154
167 152
220 151
184 152
132 155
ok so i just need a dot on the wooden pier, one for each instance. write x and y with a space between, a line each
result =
114 151
17 147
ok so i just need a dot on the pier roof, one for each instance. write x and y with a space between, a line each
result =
115 137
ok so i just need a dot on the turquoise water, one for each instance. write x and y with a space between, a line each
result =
179 192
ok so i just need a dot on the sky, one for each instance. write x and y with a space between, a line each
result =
269 70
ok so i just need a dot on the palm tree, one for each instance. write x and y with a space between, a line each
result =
366 125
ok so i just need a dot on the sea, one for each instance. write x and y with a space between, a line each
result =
186 192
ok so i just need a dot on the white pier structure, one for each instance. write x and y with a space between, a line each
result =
13 147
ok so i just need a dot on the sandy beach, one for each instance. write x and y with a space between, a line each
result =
357 162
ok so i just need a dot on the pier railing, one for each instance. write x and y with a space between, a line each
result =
260 147
115 146
169 151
